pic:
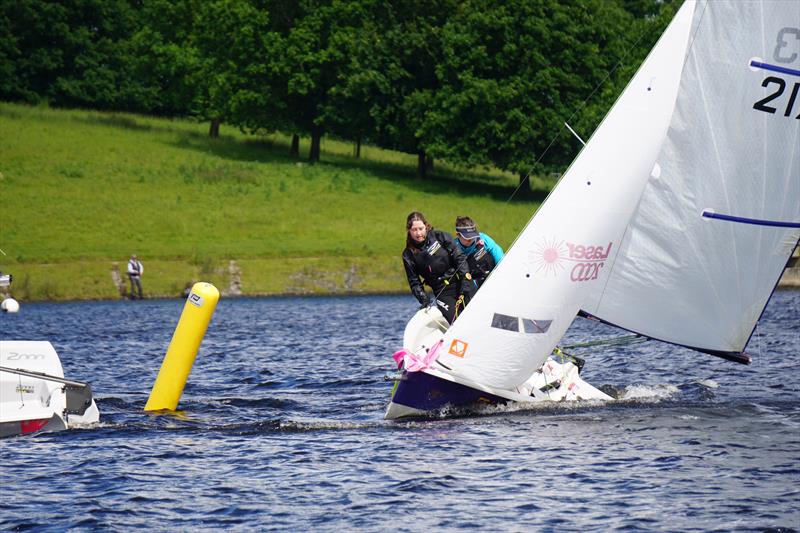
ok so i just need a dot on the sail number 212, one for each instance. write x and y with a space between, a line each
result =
761 105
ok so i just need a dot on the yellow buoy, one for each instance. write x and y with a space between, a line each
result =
183 347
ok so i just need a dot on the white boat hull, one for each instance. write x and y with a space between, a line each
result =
34 396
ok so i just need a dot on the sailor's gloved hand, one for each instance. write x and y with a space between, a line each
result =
423 299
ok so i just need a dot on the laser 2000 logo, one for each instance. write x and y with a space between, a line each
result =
584 261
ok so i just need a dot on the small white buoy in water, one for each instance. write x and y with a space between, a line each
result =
9 305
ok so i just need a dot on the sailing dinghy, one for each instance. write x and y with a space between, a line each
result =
674 222
34 396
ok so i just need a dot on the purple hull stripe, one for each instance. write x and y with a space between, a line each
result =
754 221
429 393
775 68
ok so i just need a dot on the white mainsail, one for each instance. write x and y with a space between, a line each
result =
526 305
713 232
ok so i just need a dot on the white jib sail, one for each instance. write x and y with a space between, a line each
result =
715 227
524 308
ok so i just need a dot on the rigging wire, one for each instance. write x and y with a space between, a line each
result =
579 108
582 105
611 341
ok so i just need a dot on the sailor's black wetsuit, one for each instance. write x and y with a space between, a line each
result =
443 267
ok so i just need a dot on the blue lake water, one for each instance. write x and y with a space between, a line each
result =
282 428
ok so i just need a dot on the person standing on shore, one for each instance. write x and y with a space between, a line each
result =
135 271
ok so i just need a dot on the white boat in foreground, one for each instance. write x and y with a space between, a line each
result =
675 222
35 396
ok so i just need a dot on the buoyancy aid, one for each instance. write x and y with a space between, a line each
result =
480 262
437 260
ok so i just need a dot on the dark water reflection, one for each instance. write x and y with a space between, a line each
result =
281 428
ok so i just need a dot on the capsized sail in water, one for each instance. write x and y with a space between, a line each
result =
675 221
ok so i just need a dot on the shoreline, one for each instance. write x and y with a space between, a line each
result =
303 283
103 280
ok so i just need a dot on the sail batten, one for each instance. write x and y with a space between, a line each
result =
774 68
755 221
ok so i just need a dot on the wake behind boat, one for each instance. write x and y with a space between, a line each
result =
35 396
675 222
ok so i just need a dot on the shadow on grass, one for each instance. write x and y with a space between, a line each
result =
133 123
441 181
7 112
116 121
444 181
227 147
87 116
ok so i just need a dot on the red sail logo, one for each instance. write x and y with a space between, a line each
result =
587 260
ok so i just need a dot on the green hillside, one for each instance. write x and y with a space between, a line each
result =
80 191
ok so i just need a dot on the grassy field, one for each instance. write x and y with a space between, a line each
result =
80 191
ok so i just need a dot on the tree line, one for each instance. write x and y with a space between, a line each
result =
473 82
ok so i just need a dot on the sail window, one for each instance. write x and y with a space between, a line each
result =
536 326
509 323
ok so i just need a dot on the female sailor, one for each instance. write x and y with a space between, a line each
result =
432 257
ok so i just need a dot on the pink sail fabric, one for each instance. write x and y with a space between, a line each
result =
413 362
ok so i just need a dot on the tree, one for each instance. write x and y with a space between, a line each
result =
231 38
512 73
315 41
474 82
69 53
164 57
397 72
